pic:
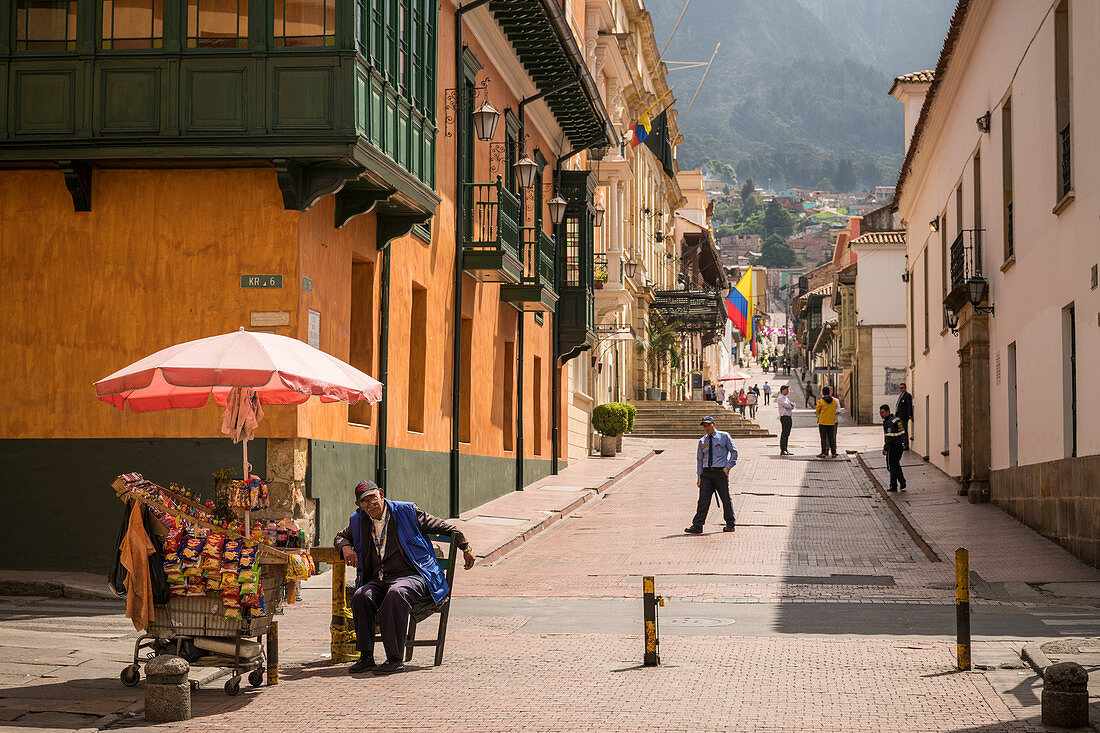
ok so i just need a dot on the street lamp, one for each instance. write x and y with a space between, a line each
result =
597 219
557 209
977 287
630 268
952 320
526 171
485 121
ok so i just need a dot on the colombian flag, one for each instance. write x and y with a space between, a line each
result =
641 131
739 305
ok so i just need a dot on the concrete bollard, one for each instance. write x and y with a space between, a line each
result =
167 691
1066 695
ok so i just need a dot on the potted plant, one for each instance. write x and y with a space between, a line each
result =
631 411
658 348
610 421
599 275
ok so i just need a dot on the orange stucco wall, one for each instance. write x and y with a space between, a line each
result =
157 261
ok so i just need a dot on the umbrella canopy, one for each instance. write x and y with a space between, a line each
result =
734 377
281 371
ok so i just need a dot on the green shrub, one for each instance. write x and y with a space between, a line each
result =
610 419
631 411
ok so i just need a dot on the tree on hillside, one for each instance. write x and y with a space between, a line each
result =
777 253
826 185
749 200
845 176
776 219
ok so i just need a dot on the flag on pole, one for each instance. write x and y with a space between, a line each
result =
739 305
641 130
659 143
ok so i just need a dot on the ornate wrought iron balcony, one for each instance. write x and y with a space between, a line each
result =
535 291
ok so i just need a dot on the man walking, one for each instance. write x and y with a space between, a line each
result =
714 458
767 393
893 446
904 412
720 394
809 394
786 417
826 422
750 402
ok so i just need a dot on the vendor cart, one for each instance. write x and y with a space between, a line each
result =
202 621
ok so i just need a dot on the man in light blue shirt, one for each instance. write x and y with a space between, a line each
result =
715 456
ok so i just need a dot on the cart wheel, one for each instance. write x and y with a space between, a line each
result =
130 675
256 677
233 686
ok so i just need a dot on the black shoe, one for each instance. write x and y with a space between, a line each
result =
903 487
694 530
729 528
891 489
362 665
390 667
787 453
822 455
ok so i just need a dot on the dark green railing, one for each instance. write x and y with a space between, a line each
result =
538 256
492 216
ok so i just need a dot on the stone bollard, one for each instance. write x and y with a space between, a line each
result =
1066 695
167 691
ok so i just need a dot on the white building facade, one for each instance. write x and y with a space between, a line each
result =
999 195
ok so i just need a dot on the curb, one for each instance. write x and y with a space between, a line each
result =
503 549
902 519
56 589
1033 654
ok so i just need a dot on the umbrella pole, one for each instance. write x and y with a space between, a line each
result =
247 479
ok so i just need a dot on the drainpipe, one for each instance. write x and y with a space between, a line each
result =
519 396
383 373
459 199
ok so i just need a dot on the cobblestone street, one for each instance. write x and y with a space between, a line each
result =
822 611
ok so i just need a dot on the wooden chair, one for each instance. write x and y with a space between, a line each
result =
420 612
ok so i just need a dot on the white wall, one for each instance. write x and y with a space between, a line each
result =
1012 53
880 291
887 350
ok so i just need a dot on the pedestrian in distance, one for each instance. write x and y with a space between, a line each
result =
708 392
720 393
826 422
786 417
395 568
904 411
750 403
809 394
742 401
767 388
714 457
893 446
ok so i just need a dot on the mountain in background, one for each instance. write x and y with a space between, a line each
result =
798 92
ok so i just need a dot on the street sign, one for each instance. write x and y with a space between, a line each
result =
261 281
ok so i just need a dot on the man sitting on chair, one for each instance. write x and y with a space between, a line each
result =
385 540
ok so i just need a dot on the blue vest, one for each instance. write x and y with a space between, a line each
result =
418 550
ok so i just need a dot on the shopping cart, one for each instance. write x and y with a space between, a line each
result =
203 622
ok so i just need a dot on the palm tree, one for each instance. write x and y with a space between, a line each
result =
658 347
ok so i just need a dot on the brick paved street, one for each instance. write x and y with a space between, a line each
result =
821 612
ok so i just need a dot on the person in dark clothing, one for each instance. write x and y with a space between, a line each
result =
904 411
893 446
385 540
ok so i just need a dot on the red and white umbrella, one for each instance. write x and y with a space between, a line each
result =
734 377
242 370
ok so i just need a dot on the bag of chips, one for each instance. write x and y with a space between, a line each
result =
231 552
233 613
297 568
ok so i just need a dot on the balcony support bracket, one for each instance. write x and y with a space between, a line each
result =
359 197
303 185
78 179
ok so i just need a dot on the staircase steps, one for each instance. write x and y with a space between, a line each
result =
681 420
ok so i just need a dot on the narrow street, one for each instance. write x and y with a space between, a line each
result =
820 612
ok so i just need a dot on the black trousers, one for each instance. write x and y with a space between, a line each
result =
713 481
828 438
894 452
392 602
785 431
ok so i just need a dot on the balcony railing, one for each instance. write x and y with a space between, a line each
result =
966 256
1010 233
1066 183
538 255
599 271
491 244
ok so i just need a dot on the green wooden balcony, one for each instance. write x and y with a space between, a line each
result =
491 245
535 291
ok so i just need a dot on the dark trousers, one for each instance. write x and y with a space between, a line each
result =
893 463
784 432
767 398
391 602
828 438
713 481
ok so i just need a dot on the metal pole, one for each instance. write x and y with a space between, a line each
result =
273 654
383 373
962 606
652 644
